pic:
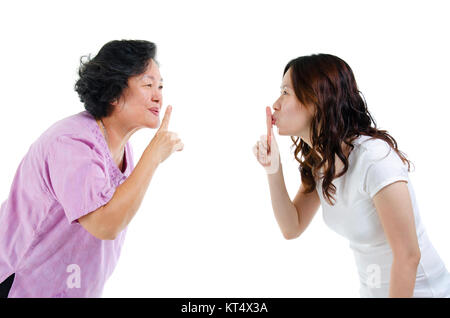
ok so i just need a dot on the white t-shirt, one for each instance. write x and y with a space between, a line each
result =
373 164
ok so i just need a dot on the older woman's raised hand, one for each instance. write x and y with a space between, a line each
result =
165 142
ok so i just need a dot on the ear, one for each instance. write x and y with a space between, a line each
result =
117 103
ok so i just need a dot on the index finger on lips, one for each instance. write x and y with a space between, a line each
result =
269 126
165 122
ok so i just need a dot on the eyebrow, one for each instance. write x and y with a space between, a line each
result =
150 77
281 87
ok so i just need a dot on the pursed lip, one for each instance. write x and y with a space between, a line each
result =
154 110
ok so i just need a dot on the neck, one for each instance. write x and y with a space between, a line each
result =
338 163
117 135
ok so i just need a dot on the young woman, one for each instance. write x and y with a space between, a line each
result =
76 190
356 173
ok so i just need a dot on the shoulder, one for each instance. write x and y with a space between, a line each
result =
377 155
378 165
76 133
81 123
374 149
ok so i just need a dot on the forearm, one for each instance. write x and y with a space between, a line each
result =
284 210
403 278
129 195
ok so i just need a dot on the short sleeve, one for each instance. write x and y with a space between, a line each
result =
383 166
78 176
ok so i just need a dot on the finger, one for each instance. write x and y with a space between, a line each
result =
179 146
269 125
165 122
255 151
262 153
173 136
263 140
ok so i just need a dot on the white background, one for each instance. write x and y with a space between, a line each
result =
206 226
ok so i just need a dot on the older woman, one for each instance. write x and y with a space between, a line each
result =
356 173
76 190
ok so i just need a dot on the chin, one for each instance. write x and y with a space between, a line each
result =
281 132
153 124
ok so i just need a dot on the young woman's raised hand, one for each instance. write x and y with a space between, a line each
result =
165 142
266 149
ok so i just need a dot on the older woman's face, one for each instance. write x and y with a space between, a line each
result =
141 101
291 117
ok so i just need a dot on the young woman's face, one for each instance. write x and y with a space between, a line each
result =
291 117
141 101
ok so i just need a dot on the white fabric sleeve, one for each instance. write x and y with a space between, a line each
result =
382 167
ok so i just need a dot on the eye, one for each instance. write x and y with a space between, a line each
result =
160 87
149 85
284 92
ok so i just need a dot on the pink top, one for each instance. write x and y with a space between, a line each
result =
68 172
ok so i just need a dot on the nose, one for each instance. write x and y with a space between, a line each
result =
157 96
276 105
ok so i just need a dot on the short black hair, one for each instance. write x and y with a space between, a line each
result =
103 78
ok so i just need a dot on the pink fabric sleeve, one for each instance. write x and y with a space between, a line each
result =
79 176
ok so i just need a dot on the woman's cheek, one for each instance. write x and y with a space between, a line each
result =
290 109
148 100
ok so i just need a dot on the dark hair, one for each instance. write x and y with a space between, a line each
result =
103 78
327 83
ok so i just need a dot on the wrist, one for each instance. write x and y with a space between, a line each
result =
151 157
270 171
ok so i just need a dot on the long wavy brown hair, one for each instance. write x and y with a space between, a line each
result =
326 83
